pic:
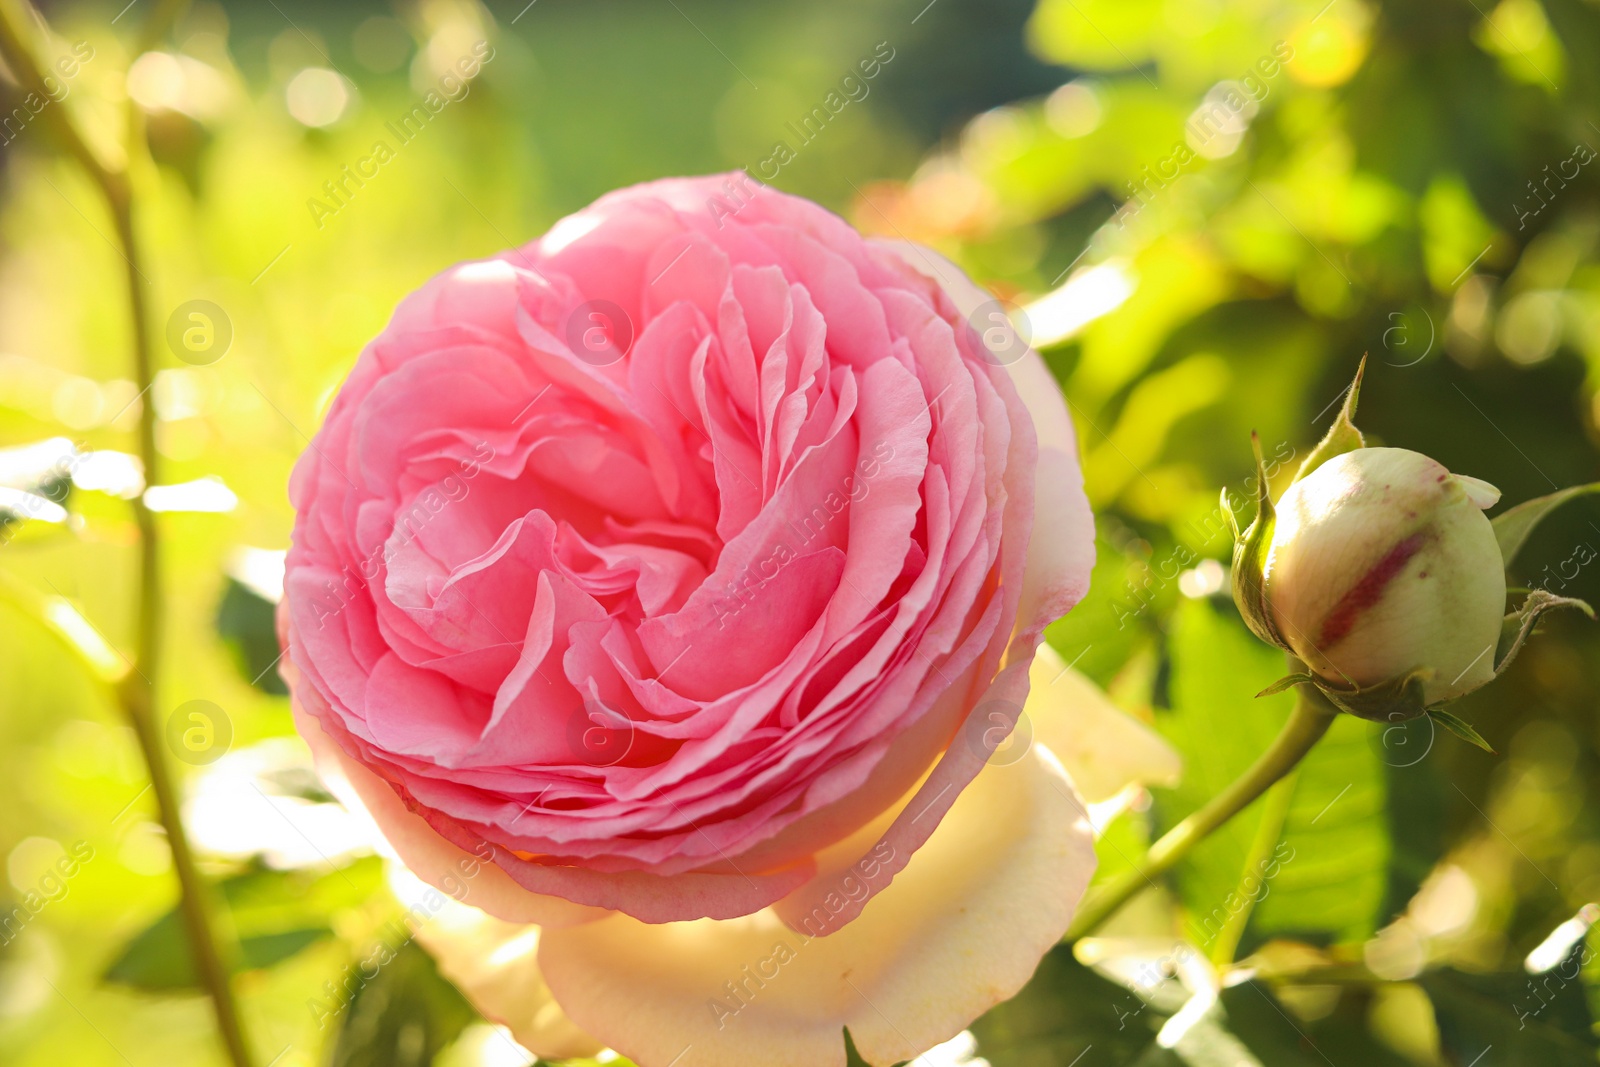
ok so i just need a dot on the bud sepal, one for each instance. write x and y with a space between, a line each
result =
1516 627
1461 728
1397 700
1342 436
1250 549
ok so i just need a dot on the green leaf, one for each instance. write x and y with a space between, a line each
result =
852 1058
1461 728
1514 526
276 915
1342 436
1330 862
58 617
1416 810
246 622
158 959
1065 1009
262 898
403 1017
1542 1019
1325 874
1278 1039
1116 618
1219 729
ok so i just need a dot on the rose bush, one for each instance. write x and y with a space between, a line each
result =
691 563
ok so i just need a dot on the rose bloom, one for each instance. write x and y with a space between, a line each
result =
660 590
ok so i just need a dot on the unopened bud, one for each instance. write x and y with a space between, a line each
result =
1382 564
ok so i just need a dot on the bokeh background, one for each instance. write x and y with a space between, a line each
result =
1204 212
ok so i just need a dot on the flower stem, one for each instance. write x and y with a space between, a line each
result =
1274 810
137 691
1310 719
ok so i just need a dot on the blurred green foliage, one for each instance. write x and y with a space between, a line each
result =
1226 203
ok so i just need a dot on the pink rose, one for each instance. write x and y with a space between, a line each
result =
688 564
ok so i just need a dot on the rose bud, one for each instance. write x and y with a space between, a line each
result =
1382 564
1379 572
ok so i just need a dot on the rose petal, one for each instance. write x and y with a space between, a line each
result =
404 836
1103 748
1061 554
961 928
1055 578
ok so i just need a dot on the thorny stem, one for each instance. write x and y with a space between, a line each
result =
1310 719
137 691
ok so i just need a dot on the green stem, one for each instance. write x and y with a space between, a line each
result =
1275 809
1310 719
137 691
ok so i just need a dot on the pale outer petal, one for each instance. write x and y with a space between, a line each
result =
494 963
961 928
1102 747
402 835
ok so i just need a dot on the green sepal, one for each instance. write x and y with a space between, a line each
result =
1460 727
1513 526
1342 436
1288 681
1515 628
852 1058
1250 559
1398 700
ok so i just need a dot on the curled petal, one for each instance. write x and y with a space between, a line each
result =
402 835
